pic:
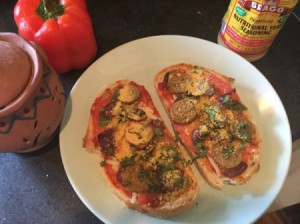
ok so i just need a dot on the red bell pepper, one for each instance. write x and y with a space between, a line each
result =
63 28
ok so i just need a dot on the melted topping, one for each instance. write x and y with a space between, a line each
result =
128 93
179 83
183 111
135 137
138 134
210 109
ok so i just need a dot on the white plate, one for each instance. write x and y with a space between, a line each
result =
140 60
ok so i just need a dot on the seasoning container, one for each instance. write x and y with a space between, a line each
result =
31 96
250 27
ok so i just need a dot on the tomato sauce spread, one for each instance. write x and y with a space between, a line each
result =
141 159
220 127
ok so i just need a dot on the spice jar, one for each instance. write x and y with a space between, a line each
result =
250 27
31 96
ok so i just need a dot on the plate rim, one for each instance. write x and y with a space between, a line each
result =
85 74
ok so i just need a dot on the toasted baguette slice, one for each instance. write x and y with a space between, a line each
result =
141 162
211 121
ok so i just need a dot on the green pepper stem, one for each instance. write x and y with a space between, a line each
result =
50 9
48 5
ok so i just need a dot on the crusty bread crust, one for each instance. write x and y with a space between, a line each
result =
172 207
88 143
211 177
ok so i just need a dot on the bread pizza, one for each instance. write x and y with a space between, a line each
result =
211 122
141 161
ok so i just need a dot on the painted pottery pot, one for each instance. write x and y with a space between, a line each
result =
31 96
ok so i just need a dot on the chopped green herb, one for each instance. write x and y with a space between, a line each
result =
169 166
200 153
143 174
104 121
186 162
103 162
155 122
110 151
158 132
186 183
127 161
116 94
211 112
227 152
153 188
232 104
177 136
165 147
241 131
243 146
198 145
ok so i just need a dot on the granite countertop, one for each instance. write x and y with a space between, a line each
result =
34 187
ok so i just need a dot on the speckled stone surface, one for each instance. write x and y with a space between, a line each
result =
34 187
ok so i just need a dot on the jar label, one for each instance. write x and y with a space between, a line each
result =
249 27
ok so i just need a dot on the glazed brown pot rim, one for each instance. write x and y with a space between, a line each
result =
36 73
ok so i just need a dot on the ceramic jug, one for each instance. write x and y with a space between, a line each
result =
31 96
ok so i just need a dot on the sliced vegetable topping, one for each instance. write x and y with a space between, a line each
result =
179 83
227 155
172 179
129 177
183 111
134 114
232 104
202 131
138 134
200 86
128 94
106 115
106 142
235 171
